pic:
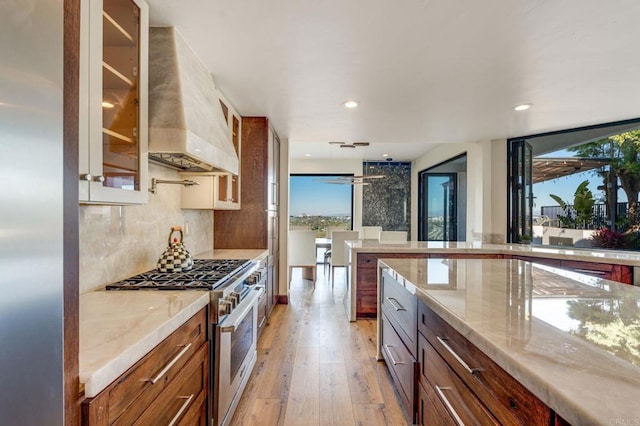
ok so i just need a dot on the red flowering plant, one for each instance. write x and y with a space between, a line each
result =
606 238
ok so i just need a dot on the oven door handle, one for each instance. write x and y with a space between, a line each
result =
235 318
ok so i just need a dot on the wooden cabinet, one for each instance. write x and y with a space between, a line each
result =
367 280
448 359
445 388
255 224
620 273
169 383
398 344
113 121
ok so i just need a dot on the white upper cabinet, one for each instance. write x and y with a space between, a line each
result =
113 102
217 190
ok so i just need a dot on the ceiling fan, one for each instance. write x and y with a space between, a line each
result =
349 145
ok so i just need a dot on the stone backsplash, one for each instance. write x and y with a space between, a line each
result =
119 241
387 202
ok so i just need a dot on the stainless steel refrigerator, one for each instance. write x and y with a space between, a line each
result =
31 212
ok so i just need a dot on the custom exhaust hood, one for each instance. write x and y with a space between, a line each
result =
187 129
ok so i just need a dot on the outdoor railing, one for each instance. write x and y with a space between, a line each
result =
598 220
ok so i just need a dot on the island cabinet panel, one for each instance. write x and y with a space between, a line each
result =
504 397
176 368
431 410
399 339
400 306
402 365
367 280
447 388
620 273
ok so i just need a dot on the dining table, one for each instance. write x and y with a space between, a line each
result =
323 243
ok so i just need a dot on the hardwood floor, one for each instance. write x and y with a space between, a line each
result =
316 368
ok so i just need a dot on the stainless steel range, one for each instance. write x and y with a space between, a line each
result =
234 287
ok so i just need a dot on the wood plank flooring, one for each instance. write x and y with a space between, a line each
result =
316 368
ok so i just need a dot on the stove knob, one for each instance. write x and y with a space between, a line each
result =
224 307
254 278
235 298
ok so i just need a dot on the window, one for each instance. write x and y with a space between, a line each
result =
317 202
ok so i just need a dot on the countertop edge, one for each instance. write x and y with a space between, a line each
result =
97 381
577 254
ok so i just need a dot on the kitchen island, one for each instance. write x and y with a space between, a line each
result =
570 339
362 256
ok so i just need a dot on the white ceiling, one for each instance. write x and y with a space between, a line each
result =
425 71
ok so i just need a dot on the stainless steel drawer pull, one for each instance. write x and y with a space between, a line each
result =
168 366
446 402
590 272
396 305
264 318
456 356
393 360
175 418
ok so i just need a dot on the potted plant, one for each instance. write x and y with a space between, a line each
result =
524 239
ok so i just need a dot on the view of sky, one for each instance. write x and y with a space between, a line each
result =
312 196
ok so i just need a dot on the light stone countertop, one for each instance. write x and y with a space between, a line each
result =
118 328
567 253
572 339
255 254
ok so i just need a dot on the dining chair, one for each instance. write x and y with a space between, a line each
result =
393 237
301 251
371 232
338 249
329 231
332 229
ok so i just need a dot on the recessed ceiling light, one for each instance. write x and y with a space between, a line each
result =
307 155
522 107
351 104
106 104
385 155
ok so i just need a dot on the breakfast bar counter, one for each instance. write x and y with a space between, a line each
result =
362 256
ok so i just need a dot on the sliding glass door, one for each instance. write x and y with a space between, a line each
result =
438 207
521 190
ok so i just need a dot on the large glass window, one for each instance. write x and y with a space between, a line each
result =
320 202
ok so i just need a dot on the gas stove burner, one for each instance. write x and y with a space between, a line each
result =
206 274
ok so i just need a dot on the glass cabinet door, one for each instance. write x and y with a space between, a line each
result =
117 101
121 95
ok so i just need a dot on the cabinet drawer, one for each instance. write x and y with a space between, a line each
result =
504 396
129 395
400 306
401 364
431 411
183 398
460 403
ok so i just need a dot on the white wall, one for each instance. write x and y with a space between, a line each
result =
486 187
